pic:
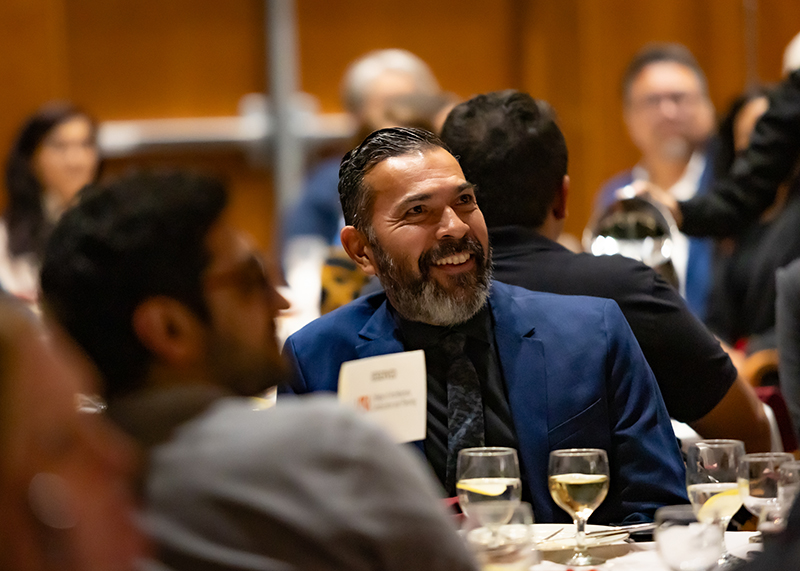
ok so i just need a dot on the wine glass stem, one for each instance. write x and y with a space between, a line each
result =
580 536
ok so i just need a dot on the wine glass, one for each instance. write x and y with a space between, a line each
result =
515 551
578 481
686 544
712 485
488 485
758 480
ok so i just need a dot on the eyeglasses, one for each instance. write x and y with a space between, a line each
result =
248 277
653 101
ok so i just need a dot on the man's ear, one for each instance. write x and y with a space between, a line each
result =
169 330
560 201
359 250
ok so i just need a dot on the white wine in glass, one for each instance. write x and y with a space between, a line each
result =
578 482
711 467
488 485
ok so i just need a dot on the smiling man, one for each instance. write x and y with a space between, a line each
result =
505 366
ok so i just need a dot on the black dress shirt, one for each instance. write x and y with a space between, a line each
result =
481 350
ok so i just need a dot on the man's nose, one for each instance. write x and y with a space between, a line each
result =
668 106
451 225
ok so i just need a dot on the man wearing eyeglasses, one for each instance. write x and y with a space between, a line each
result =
175 308
670 119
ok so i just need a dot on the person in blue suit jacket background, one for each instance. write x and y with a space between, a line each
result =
554 371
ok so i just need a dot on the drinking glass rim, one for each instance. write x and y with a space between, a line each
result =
487 450
711 442
577 451
763 456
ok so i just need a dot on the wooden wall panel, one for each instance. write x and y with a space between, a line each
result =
180 58
466 42
131 59
32 64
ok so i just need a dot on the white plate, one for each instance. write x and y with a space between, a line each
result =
566 538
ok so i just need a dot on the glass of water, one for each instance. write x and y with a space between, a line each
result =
686 544
488 485
758 480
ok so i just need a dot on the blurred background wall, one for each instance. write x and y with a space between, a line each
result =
137 59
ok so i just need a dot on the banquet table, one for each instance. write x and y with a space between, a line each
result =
641 556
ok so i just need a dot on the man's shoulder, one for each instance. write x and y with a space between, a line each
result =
343 321
564 272
518 301
242 433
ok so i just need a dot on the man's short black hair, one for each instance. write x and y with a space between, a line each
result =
356 198
511 148
122 243
657 53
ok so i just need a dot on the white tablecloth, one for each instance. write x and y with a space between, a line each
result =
642 556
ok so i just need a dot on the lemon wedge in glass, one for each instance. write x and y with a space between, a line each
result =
484 486
722 505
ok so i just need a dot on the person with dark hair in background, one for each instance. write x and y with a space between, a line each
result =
505 366
66 473
670 119
510 146
175 307
735 202
54 156
742 307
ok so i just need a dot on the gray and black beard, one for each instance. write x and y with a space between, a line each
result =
422 298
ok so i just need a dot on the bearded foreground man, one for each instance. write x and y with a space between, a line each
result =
505 366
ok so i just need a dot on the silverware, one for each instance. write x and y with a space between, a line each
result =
634 528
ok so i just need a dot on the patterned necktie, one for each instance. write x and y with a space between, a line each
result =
464 404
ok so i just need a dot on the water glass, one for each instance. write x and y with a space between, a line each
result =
758 480
488 485
512 549
686 544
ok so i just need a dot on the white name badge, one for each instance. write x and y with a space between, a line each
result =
391 390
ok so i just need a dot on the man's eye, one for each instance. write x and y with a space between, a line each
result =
415 210
466 199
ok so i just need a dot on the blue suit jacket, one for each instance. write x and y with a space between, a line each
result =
574 375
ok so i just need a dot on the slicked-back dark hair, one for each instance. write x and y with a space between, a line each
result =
25 219
509 146
356 197
656 53
140 236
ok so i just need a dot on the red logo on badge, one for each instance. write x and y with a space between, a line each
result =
363 403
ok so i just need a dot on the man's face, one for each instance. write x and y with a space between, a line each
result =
667 113
243 305
429 247
70 470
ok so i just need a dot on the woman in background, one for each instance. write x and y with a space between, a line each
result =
54 156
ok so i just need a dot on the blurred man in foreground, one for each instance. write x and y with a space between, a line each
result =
506 366
66 474
510 146
175 307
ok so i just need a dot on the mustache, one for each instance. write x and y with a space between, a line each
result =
448 248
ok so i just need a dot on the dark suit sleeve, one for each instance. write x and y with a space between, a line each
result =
296 382
735 202
646 464
787 325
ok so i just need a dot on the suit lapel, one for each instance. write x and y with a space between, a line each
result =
380 335
522 361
